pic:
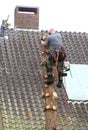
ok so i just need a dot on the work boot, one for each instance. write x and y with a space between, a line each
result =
62 74
60 84
49 80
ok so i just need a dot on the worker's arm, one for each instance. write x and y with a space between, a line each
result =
43 43
43 39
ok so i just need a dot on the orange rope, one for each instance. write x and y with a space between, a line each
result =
65 104
64 91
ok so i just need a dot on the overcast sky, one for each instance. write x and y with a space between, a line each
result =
63 15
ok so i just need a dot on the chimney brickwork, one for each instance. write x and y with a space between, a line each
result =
26 17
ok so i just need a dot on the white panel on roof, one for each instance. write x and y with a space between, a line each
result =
77 84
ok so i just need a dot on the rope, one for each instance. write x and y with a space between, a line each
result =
64 91
66 105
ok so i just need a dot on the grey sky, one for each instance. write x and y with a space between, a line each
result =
65 15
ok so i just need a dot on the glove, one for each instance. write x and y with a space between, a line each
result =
43 38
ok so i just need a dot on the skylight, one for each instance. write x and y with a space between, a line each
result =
77 82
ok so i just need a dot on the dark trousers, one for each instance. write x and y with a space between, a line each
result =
51 62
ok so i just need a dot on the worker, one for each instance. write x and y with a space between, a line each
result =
54 42
2 28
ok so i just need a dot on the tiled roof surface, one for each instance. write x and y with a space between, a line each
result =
21 102
76 45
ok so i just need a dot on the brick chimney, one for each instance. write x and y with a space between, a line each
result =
26 17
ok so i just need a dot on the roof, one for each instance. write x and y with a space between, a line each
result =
21 102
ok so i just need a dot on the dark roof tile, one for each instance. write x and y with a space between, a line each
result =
21 89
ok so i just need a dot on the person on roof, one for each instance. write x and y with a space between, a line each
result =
2 28
54 42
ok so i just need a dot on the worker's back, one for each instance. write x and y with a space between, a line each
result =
54 41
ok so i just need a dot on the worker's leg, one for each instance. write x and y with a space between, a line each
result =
60 74
49 70
60 77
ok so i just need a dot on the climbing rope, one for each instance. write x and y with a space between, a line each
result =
65 103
